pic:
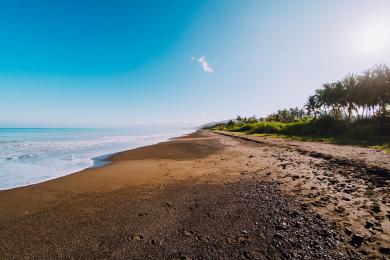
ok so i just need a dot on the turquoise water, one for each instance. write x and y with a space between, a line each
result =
32 155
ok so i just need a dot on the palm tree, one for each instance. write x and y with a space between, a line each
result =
322 97
382 86
312 105
364 97
350 84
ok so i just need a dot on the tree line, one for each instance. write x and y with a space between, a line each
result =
355 97
364 96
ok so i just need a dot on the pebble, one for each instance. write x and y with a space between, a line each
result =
384 250
357 239
348 231
156 242
187 233
279 235
369 224
137 237
376 207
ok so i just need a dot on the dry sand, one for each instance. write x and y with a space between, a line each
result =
206 196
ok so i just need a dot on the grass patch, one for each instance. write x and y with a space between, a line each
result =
361 133
383 147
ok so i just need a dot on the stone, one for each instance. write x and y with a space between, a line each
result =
339 209
369 224
279 235
137 237
376 207
348 231
357 239
156 242
384 250
187 233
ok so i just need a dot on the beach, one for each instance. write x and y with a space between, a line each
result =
207 195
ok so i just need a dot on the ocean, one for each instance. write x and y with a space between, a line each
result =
33 155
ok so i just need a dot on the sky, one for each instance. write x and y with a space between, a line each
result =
95 63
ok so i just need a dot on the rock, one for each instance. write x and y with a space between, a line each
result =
279 235
371 239
378 228
294 214
369 224
156 242
243 239
297 224
325 233
247 255
376 207
281 226
187 233
357 239
346 198
364 252
384 250
295 177
348 231
379 218
137 237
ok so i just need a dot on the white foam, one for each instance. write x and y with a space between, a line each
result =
28 157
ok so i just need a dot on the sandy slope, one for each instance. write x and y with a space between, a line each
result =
348 184
201 196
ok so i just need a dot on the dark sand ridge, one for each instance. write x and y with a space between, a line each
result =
199 196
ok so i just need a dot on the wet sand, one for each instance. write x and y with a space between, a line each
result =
206 196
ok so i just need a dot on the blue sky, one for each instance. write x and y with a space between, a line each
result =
121 63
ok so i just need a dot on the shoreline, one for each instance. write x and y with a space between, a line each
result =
96 162
201 194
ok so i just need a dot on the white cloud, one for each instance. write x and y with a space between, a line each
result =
203 62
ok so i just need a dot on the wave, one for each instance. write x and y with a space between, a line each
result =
30 158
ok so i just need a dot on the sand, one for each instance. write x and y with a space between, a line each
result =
204 195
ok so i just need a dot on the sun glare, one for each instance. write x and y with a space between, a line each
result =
373 38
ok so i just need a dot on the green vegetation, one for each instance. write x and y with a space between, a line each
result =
350 111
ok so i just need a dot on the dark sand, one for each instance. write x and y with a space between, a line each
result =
202 196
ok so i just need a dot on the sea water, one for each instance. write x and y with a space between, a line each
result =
32 155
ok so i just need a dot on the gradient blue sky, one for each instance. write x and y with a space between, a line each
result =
92 63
